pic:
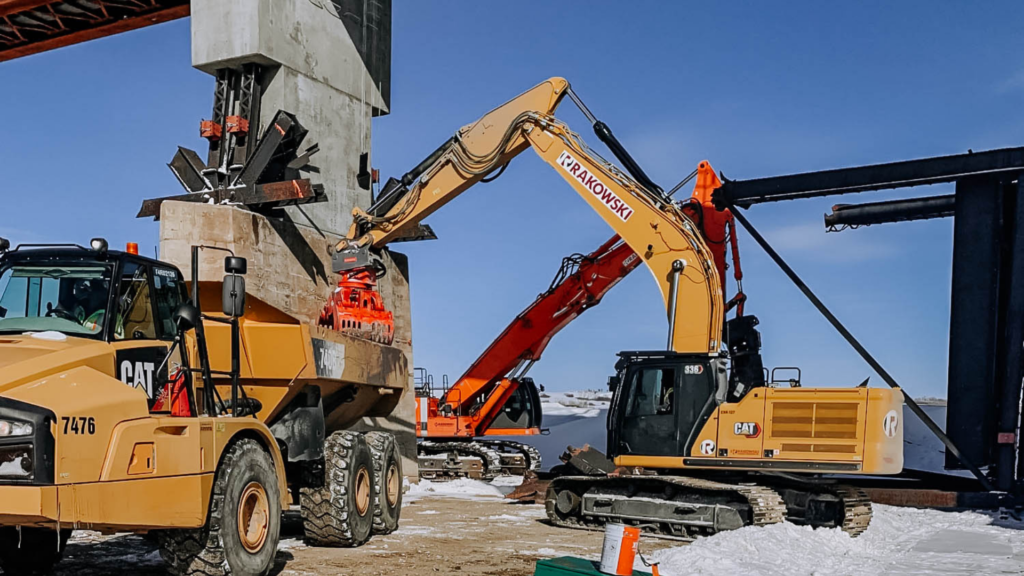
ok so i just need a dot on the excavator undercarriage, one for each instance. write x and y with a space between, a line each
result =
686 507
478 459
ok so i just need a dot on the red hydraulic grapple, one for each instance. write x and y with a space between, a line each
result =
357 308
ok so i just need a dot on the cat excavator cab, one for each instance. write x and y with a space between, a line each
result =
708 445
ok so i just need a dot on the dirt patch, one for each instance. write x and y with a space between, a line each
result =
474 537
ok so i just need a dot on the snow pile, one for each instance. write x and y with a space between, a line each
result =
899 541
461 488
49 335
585 403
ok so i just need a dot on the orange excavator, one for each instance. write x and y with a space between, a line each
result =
494 397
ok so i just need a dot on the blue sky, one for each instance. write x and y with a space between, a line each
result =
756 88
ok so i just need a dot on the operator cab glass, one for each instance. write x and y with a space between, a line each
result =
70 290
68 297
661 403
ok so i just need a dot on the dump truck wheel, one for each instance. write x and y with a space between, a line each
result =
33 551
243 525
387 466
337 497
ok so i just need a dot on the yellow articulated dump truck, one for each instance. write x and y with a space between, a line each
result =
132 401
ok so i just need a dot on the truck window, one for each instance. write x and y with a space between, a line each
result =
66 297
135 320
168 288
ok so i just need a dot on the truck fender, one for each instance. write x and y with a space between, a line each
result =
301 426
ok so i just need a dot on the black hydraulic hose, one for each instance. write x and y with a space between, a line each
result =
604 134
427 162
395 190
914 407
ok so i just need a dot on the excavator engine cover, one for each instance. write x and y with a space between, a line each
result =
357 308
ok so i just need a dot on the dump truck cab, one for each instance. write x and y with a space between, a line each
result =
100 427
63 294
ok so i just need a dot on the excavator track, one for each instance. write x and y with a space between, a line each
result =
451 460
668 507
682 508
857 510
516 458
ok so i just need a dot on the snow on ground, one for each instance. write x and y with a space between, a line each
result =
460 488
899 541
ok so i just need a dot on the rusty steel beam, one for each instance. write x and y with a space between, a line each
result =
12 6
32 26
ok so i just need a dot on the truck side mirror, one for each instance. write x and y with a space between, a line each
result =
233 295
614 382
236 265
186 317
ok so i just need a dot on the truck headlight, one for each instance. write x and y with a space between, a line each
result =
16 461
14 428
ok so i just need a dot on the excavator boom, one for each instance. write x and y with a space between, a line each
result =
665 238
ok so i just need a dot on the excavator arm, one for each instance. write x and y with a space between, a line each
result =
665 238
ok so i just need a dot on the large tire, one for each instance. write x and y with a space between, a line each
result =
387 466
243 525
34 551
337 497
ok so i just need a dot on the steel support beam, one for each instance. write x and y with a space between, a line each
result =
973 325
1011 352
866 178
854 215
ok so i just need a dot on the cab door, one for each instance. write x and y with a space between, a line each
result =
660 407
142 328
650 420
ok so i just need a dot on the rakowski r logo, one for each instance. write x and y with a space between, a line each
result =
707 447
598 188
748 429
891 423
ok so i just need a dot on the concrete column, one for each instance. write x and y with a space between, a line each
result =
328 63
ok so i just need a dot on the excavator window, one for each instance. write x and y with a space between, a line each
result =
653 395
664 401
649 425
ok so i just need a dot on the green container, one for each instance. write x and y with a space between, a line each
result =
569 565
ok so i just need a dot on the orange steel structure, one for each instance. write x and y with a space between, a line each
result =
32 26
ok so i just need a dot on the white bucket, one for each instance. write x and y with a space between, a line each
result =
619 552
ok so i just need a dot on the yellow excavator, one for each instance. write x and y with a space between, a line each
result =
708 442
